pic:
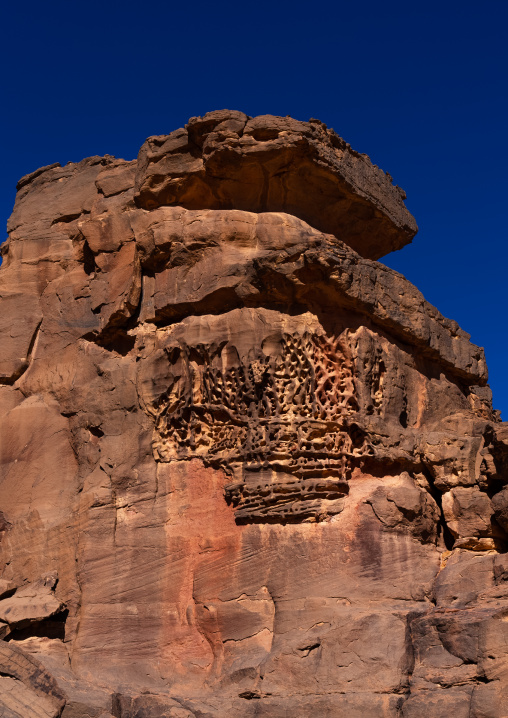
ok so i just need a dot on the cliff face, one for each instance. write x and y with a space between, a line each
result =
246 470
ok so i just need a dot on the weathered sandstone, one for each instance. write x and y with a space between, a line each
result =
245 469
226 160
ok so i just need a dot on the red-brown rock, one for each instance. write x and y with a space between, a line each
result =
245 470
227 160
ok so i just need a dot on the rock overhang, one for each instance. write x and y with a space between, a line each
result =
228 160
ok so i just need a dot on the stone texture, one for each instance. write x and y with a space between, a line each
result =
227 160
245 470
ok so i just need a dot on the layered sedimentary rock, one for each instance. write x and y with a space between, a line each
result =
246 470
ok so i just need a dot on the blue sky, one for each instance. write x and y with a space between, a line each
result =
420 87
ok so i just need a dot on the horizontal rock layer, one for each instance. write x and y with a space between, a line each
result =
227 160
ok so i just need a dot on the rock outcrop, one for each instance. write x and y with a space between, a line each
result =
246 470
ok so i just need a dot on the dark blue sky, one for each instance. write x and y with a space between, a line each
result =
420 87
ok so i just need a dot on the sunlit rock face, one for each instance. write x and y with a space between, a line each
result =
245 469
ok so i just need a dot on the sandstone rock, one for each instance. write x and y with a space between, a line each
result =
26 689
500 507
6 588
226 160
439 703
80 710
244 469
467 512
30 605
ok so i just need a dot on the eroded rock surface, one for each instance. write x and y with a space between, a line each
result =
245 469
227 160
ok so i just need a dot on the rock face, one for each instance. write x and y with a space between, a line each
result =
226 160
245 469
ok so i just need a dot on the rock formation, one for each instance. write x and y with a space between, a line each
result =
246 470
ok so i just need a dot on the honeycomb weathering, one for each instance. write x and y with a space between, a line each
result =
274 420
245 469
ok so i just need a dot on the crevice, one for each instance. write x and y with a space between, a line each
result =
66 218
118 341
264 134
116 706
442 529
306 650
88 259
115 336
409 656
52 627
14 377
217 302
482 679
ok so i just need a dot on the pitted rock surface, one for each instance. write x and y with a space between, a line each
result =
245 470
